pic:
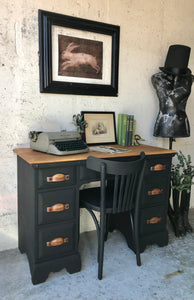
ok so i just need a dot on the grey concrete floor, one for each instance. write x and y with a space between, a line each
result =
166 273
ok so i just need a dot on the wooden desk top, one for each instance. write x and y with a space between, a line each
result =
35 157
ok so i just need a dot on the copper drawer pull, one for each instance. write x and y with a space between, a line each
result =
154 220
57 207
158 167
58 177
155 192
57 242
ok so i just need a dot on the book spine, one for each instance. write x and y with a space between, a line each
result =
119 128
127 131
123 131
131 130
133 136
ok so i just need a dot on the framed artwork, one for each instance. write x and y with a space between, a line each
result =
77 56
100 127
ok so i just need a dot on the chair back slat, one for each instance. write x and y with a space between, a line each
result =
121 191
126 181
131 194
126 193
115 194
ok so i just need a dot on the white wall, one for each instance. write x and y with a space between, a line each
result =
147 28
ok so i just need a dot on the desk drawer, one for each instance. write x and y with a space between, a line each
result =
158 166
57 240
153 219
56 177
56 206
155 191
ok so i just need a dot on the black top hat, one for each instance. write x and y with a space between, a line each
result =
177 60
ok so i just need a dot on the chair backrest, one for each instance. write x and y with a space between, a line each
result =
126 180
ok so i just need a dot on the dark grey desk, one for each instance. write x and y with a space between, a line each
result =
48 205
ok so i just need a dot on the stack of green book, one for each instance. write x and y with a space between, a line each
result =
126 130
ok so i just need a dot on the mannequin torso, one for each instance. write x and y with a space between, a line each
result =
173 92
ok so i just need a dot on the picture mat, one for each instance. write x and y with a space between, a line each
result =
107 54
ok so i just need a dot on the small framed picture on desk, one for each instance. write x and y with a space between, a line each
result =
100 129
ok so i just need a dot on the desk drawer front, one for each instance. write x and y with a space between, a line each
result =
158 166
56 241
153 219
156 188
56 177
155 191
56 206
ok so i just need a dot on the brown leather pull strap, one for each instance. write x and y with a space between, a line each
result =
57 242
158 167
58 177
155 192
57 207
154 220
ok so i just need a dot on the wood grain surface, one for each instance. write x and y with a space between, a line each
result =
35 157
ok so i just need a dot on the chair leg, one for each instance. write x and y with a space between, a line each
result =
99 240
137 247
136 238
106 227
138 258
101 256
101 247
98 254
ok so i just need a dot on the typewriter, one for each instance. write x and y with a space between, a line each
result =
58 143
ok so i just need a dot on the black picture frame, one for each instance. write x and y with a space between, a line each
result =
107 120
48 84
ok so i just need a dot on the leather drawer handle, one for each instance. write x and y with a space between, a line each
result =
57 242
154 220
57 207
158 167
58 177
155 192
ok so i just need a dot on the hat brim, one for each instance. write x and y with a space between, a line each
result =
175 71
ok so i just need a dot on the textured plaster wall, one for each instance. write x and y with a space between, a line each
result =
147 30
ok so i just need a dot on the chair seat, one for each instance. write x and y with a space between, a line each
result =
90 198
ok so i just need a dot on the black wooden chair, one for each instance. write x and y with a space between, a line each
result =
119 191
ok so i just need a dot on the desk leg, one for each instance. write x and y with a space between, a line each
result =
40 271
